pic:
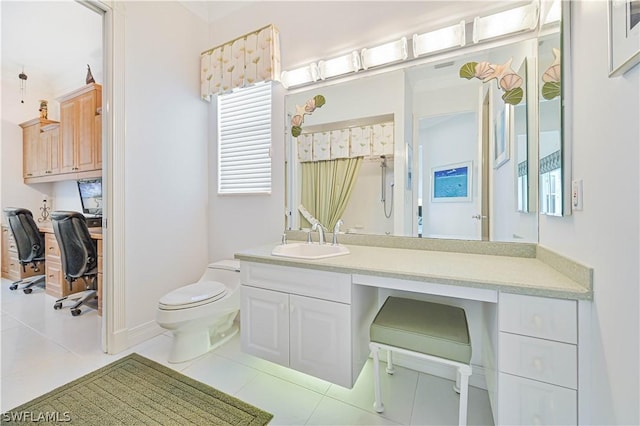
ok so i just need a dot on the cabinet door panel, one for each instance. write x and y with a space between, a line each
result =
319 339
68 118
264 316
539 359
86 131
529 402
547 318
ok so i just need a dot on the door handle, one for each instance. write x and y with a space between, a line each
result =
478 216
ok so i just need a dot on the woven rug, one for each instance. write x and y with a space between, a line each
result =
136 391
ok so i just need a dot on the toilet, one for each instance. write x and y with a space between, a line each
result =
201 315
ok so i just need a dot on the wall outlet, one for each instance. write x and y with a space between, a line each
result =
576 194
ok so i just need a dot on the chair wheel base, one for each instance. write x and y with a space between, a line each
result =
57 306
13 287
75 312
27 290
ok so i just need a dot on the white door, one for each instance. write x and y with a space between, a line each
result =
451 175
264 316
319 339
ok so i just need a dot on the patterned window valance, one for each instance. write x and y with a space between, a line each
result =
241 62
550 162
359 141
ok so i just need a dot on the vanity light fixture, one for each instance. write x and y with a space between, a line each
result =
384 54
298 76
434 41
510 21
552 13
341 65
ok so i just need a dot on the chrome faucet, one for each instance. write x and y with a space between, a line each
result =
317 226
336 229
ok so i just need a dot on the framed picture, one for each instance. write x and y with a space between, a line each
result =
501 132
624 35
451 183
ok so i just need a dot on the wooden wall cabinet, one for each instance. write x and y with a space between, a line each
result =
39 148
70 149
80 143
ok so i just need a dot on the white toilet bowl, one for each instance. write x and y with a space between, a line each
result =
201 315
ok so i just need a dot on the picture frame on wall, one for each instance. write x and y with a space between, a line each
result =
624 35
452 183
501 135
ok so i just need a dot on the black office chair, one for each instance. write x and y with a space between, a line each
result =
78 255
30 245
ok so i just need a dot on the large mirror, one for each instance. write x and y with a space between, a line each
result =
451 158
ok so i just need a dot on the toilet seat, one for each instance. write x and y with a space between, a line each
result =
192 295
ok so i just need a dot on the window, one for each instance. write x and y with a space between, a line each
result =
244 140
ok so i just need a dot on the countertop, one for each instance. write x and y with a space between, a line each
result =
513 274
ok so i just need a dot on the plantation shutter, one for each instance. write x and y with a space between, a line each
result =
244 135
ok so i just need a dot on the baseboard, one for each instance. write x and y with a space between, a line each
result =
143 333
477 379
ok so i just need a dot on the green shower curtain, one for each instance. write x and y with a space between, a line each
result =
327 187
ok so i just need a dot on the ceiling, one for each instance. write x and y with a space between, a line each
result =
52 41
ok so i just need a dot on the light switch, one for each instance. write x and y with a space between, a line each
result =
576 194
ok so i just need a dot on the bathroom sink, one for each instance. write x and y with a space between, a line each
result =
309 251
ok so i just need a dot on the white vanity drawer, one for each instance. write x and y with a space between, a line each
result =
544 360
554 319
529 402
325 285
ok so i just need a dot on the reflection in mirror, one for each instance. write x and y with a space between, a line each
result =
521 144
444 126
550 126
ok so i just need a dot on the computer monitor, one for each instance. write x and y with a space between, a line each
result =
91 196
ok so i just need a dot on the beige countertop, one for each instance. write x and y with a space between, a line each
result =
524 275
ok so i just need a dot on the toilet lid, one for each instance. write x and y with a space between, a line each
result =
193 295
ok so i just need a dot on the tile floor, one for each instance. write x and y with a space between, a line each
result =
42 349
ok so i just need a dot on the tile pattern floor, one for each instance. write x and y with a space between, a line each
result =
42 349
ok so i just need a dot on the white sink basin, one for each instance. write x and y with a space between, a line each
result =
309 251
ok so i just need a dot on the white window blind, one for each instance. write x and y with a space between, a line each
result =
244 135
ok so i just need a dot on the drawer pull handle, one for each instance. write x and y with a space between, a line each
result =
537 364
537 321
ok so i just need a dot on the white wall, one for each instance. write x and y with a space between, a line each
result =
606 234
13 191
166 148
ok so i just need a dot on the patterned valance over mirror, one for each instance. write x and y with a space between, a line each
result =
248 59
359 141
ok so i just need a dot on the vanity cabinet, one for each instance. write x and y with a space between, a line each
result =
538 360
81 145
315 322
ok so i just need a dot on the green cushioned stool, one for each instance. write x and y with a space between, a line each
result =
430 331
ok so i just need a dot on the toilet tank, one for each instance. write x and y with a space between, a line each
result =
225 271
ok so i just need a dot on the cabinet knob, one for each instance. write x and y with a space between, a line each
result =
537 364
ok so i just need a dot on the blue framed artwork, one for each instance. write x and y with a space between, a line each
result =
451 183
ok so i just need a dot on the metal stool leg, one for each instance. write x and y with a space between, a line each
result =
463 373
377 405
390 369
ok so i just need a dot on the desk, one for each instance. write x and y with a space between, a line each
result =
55 284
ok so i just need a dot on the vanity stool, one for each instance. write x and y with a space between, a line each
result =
426 330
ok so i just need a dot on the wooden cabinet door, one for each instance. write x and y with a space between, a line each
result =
85 144
264 316
98 141
49 151
68 117
320 339
30 143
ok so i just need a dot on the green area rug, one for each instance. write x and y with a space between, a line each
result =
136 391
